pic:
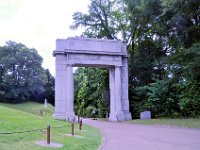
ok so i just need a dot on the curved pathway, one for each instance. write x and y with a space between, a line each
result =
123 136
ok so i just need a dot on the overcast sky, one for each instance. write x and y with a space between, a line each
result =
38 23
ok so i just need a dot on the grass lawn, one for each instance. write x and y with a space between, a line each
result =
186 123
30 107
25 116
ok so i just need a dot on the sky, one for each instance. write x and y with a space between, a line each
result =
38 23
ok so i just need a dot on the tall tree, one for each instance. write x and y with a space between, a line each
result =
21 74
180 31
157 33
49 88
104 19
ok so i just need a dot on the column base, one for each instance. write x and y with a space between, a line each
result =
119 116
127 115
59 115
70 116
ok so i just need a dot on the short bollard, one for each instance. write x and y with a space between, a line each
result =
41 113
48 134
72 125
80 124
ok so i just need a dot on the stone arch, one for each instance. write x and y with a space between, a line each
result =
79 52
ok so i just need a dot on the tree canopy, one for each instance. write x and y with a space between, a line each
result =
163 38
22 77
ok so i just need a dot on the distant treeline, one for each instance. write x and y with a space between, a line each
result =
22 77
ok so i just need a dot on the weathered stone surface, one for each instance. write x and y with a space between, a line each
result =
90 45
75 52
145 115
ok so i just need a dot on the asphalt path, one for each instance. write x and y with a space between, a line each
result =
124 136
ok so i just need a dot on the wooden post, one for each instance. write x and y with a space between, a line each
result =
41 113
80 124
48 134
72 125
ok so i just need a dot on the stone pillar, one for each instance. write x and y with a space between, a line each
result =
60 88
70 94
124 79
118 89
118 94
116 113
112 115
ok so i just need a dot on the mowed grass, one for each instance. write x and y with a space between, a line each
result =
23 117
185 123
31 107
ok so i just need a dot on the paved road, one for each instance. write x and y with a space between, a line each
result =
122 136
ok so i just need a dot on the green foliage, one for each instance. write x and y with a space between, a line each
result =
91 97
103 19
173 30
162 38
189 62
22 77
190 99
90 111
49 88
163 98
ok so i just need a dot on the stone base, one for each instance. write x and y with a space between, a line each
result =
59 116
51 145
120 116
112 117
128 116
75 135
70 116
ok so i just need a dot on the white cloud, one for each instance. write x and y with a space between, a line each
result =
38 23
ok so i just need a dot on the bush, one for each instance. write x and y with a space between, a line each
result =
90 112
190 99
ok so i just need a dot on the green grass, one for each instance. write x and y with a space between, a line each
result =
22 117
185 123
30 107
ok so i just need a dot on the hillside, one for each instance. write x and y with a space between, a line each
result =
23 117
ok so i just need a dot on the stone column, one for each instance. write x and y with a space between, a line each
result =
118 89
70 94
124 79
118 94
60 88
112 115
116 113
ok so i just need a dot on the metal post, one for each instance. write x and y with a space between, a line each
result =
72 125
48 134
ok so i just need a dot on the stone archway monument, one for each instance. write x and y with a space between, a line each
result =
86 52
